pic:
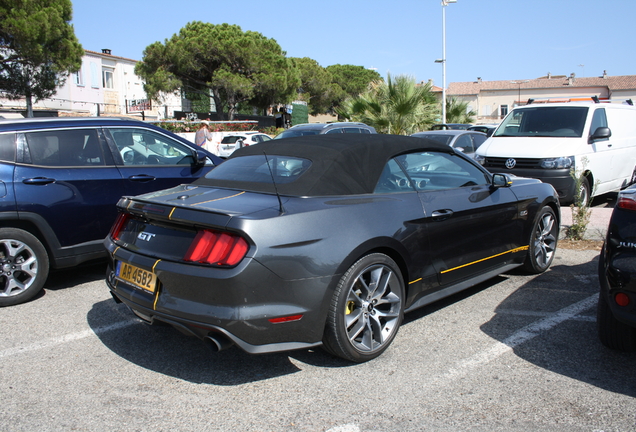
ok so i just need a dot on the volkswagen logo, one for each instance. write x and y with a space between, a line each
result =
510 163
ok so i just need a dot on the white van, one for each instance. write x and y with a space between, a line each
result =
548 140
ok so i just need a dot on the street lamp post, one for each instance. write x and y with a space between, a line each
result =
443 59
519 82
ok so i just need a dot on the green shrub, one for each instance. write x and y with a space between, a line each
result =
193 126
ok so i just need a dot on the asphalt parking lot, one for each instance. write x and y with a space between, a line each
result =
515 353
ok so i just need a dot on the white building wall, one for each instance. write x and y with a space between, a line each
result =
84 94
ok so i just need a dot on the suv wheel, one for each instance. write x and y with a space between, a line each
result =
24 266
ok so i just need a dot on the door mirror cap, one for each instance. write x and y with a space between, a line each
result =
501 180
601 133
200 158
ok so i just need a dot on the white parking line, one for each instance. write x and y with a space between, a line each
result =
522 335
47 343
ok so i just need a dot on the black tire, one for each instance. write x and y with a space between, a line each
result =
543 242
366 309
613 333
24 266
584 193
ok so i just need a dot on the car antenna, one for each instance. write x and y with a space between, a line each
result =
280 202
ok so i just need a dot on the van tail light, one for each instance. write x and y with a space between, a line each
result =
626 201
120 223
217 248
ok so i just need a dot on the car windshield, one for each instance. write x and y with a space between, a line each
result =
443 139
544 121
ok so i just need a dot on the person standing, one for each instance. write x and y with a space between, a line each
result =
202 135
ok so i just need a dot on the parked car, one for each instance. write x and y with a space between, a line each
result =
326 128
462 140
451 126
549 140
60 179
488 129
616 313
324 240
230 143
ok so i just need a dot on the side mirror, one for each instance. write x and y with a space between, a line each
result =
200 158
601 133
501 180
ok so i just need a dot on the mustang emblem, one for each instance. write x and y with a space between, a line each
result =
510 163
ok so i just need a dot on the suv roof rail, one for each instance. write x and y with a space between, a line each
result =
58 119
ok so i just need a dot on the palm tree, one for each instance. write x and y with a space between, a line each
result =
396 106
457 112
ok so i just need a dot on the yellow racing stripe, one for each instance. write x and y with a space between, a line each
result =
519 249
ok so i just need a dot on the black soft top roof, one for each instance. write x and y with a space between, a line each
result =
342 164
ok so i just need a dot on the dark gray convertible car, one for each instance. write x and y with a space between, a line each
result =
324 240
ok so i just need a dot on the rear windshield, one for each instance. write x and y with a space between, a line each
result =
544 121
258 169
298 132
443 139
231 139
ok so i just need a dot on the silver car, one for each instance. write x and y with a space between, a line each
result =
465 141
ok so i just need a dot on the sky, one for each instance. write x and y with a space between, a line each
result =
490 39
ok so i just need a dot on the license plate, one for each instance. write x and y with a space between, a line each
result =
136 276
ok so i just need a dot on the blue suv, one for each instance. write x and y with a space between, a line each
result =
60 179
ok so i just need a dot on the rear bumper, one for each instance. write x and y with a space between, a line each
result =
237 303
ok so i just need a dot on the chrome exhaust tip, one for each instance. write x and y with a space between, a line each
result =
217 342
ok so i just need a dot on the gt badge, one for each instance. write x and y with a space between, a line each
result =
145 236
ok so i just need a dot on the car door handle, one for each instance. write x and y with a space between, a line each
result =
142 178
440 215
38 181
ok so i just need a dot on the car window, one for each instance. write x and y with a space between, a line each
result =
438 171
334 131
440 138
544 121
231 139
351 130
146 147
464 144
260 169
393 179
7 147
598 120
289 133
478 140
76 147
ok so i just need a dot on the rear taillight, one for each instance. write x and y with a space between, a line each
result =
217 248
621 299
626 201
122 218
